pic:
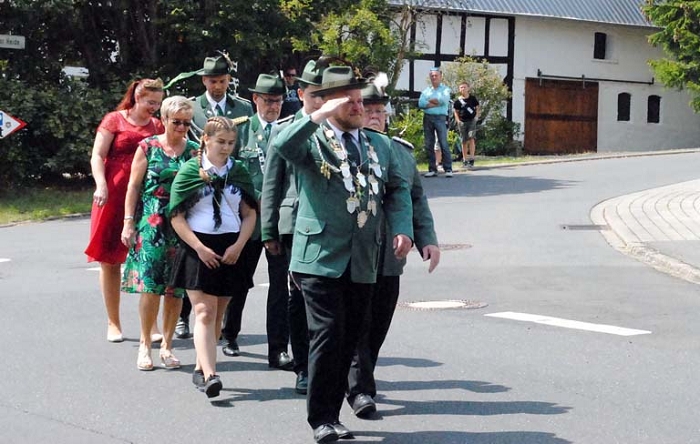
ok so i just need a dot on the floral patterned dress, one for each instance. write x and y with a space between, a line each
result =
149 262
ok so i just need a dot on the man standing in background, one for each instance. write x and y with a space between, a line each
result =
434 101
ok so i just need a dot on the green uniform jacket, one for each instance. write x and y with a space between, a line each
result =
254 157
278 205
235 107
327 237
423 225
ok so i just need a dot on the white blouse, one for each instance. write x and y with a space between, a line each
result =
201 216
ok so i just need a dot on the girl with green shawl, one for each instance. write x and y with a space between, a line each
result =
213 211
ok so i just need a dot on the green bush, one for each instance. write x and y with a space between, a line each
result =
57 141
494 136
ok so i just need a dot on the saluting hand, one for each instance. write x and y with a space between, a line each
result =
431 252
328 109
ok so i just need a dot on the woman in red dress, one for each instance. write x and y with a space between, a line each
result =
115 144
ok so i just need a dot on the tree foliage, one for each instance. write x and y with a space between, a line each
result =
680 39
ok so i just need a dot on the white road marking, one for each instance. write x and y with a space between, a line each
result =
93 269
2 259
567 323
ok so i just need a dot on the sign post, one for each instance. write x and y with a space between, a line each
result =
12 41
9 124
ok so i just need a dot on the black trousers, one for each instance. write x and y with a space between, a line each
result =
298 332
336 309
234 310
382 307
277 304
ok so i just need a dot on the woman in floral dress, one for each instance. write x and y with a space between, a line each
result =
147 231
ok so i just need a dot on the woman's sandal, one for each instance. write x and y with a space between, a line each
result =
144 361
169 360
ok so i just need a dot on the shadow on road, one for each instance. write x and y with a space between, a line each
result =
474 185
447 437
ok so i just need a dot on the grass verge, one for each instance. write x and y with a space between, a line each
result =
43 203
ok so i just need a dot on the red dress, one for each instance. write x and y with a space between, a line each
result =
106 222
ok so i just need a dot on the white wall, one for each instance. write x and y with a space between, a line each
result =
565 48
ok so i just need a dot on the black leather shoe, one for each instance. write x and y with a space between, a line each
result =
363 405
282 361
342 431
325 433
182 329
231 349
213 386
302 384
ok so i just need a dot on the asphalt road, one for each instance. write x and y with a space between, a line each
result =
445 377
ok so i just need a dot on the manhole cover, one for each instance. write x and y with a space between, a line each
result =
446 247
449 304
585 227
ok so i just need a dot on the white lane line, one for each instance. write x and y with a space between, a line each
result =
568 323
3 259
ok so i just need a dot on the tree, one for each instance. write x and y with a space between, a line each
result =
680 40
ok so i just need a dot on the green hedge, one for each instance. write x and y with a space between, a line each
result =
57 141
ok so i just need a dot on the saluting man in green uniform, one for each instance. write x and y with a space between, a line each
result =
347 180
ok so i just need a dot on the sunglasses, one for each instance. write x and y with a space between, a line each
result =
184 123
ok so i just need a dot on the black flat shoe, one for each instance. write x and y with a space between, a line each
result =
325 433
302 384
281 361
198 378
342 431
231 349
363 405
182 329
213 386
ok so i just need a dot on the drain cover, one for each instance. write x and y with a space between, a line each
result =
585 227
446 247
449 304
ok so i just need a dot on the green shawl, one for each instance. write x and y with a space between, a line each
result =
188 182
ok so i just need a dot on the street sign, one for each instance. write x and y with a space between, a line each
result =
11 41
9 124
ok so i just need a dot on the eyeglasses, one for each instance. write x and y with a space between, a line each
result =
152 103
184 123
375 111
272 101
290 74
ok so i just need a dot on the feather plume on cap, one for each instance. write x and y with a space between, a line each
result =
381 81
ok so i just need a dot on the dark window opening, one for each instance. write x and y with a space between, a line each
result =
623 107
654 109
599 46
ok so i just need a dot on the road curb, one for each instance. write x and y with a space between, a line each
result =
642 252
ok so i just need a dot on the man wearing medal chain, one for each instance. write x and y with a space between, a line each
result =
347 181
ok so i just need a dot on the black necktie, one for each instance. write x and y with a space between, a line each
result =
352 149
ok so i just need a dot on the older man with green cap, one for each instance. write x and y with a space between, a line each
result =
267 96
277 215
348 180
361 384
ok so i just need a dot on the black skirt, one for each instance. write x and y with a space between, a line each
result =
189 271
